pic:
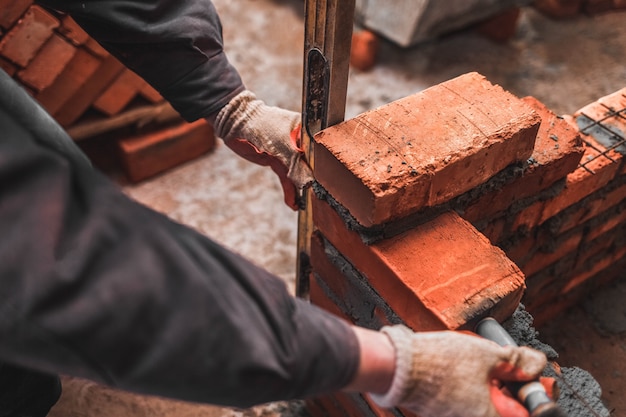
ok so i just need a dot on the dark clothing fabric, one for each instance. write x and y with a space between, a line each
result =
176 46
27 393
95 285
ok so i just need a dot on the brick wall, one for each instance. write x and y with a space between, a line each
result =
92 94
461 201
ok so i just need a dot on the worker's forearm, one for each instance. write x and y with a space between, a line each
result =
377 362
93 284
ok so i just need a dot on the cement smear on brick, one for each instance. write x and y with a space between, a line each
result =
580 394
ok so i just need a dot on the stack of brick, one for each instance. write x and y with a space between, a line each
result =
78 82
424 204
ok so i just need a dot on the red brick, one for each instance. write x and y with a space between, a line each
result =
351 293
72 31
444 266
558 150
11 11
614 221
149 93
48 64
500 27
425 149
582 182
596 268
559 8
23 41
599 247
324 406
89 91
529 217
364 50
521 249
547 310
119 93
76 73
495 230
149 154
564 246
320 298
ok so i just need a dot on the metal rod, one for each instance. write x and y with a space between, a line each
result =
327 42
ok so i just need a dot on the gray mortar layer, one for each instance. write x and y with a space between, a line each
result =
580 394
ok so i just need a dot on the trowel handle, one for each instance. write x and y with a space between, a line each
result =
532 394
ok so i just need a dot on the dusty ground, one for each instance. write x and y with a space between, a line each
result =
565 64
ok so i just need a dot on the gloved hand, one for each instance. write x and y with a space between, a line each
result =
267 136
451 374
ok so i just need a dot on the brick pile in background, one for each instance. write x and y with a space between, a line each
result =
458 202
92 95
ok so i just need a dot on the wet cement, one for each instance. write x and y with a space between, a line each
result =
580 393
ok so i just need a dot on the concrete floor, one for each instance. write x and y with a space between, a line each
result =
565 64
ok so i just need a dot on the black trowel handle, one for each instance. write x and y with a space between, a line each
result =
532 394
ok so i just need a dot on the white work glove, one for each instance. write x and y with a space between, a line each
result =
267 136
452 374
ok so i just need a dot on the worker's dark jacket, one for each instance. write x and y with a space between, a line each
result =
95 285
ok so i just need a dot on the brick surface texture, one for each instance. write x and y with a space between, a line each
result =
387 163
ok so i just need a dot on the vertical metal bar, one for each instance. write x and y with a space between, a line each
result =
327 41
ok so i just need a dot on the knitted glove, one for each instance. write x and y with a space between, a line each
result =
267 136
451 374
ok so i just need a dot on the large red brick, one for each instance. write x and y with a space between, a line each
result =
425 149
558 150
48 64
149 154
80 68
11 11
84 97
27 36
444 265
119 93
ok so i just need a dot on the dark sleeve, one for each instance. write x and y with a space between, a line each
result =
175 45
95 285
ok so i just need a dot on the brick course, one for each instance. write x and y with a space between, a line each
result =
406 159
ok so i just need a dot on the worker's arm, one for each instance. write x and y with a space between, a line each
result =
93 284
177 47
438 374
